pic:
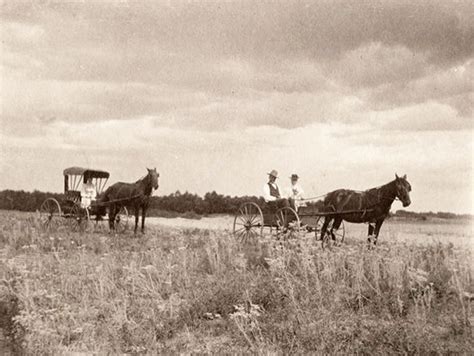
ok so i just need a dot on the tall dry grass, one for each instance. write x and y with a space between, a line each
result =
200 291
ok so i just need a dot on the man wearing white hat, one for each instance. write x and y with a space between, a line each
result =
271 192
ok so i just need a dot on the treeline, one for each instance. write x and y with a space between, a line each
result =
25 201
211 203
185 203
430 215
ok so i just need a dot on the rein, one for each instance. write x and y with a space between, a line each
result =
313 198
117 200
357 191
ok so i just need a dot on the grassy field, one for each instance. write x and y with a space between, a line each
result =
188 289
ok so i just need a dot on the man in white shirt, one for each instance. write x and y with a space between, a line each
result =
88 193
295 192
271 192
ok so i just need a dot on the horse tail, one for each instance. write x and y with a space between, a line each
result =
329 201
328 198
104 197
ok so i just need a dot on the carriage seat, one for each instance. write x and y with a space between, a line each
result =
73 195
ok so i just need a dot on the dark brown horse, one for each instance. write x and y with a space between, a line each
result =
133 195
371 206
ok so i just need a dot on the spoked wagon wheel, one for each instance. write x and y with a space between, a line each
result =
50 213
287 222
121 220
79 219
248 222
332 237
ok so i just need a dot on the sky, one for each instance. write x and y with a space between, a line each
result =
217 94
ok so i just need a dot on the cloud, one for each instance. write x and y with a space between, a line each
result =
214 94
21 33
452 86
429 116
375 64
283 110
105 61
91 101
295 29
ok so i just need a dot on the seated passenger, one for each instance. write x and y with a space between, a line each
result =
295 192
271 193
88 193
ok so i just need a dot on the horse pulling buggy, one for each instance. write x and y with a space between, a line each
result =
73 212
324 217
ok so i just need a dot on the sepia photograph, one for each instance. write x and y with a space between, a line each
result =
268 177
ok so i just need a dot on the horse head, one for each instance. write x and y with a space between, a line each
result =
153 176
403 189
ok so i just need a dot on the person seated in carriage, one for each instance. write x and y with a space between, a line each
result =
271 193
294 192
88 193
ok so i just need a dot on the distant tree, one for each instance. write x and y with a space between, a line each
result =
177 202
24 201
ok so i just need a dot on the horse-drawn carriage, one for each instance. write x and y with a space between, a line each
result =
70 210
251 220
324 217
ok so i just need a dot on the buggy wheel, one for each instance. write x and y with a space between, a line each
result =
332 237
50 213
248 223
78 218
287 223
121 220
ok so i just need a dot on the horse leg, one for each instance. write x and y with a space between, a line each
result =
111 217
370 233
327 220
143 218
137 212
378 225
335 226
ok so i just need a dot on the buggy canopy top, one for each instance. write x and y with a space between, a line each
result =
86 172
73 176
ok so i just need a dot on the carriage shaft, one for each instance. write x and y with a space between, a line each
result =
336 213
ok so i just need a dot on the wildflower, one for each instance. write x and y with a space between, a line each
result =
208 316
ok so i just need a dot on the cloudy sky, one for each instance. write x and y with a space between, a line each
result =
217 94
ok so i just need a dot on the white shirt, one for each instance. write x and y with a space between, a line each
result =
266 192
295 192
88 194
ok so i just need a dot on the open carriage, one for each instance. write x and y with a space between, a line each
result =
251 221
325 217
71 211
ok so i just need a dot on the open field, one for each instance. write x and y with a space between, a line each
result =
187 286
457 232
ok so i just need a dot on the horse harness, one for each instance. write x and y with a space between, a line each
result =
368 209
